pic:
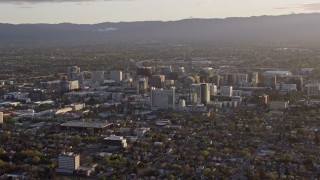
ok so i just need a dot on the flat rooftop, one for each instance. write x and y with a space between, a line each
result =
84 124
68 154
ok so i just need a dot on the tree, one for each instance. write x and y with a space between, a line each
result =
205 153
207 171
90 131
86 160
35 159
76 140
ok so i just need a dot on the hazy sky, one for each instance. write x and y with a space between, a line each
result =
95 11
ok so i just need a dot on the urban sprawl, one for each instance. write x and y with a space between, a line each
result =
181 118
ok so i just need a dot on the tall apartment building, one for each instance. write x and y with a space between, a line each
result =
204 93
157 81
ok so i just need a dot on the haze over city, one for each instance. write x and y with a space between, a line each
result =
159 89
96 11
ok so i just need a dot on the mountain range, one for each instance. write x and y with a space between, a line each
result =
293 27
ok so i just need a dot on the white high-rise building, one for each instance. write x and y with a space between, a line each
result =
116 75
68 162
204 93
226 91
161 98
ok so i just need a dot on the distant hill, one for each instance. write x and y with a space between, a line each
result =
295 27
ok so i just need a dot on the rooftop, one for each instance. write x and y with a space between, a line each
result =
68 154
83 124
277 73
114 137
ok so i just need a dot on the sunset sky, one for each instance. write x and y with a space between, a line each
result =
95 11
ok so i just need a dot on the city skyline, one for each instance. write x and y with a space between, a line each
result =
95 11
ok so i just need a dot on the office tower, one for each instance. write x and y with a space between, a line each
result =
97 77
162 98
255 79
213 90
269 78
269 81
116 75
195 93
73 71
173 76
142 85
207 71
157 81
241 78
79 78
188 81
205 74
166 70
145 71
204 93
216 79
63 84
296 79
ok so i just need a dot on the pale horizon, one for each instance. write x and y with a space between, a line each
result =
99 11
